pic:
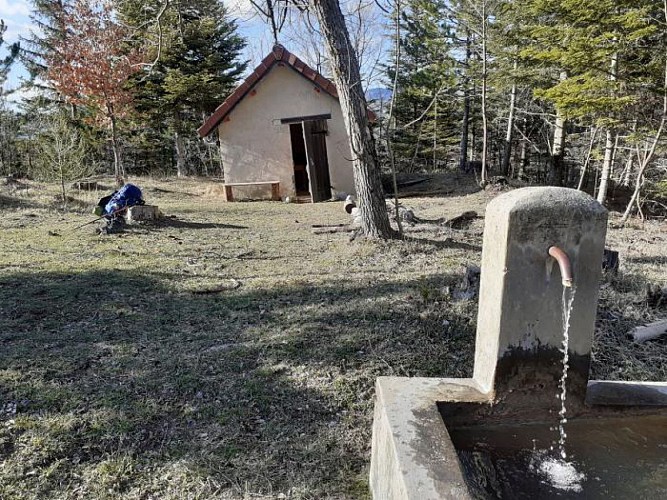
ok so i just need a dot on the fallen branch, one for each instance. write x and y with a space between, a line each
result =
460 220
648 332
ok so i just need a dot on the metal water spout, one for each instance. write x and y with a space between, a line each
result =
564 265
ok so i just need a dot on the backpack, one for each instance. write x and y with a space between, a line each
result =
127 196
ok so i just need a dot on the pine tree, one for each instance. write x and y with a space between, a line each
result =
38 45
423 125
586 45
196 64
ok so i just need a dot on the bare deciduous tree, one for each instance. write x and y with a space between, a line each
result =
346 75
62 155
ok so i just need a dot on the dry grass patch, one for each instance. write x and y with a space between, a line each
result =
117 381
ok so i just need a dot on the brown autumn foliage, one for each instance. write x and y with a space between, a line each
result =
92 62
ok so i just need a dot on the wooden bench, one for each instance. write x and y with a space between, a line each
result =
275 188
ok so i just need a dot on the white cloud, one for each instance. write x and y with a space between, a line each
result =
11 8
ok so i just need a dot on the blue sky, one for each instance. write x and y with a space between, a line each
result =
16 14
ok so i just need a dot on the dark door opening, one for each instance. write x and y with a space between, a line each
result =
315 135
300 159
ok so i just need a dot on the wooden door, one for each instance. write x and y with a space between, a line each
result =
315 137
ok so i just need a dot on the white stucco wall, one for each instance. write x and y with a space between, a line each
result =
255 146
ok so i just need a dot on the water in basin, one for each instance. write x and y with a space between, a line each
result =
607 458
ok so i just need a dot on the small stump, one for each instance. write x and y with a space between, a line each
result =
142 213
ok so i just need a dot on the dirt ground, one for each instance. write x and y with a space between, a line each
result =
227 352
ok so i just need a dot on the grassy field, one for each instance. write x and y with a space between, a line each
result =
121 377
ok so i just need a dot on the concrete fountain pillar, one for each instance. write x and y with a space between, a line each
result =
520 319
518 358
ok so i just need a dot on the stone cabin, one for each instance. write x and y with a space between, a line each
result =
283 127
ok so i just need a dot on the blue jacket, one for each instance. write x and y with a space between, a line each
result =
127 196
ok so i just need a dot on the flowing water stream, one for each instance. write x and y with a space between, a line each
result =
567 312
560 473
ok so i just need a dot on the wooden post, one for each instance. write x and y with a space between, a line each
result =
228 193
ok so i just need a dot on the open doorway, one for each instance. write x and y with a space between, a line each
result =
300 160
309 156
315 136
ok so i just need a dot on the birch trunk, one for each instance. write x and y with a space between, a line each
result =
507 152
606 166
463 158
523 157
627 173
587 160
555 177
626 176
345 69
609 143
485 125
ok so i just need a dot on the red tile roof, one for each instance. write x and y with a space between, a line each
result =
279 54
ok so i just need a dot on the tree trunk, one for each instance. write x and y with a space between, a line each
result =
435 132
609 143
627 173
463 158
626 176
587 160
181 168
274 24
523 157
485 125
117 160
390 128
507 152
472 150
62 186
345 69
555 175
606 166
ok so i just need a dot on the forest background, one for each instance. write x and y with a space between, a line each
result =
570 93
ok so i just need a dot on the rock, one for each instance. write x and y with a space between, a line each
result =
469 286
610 261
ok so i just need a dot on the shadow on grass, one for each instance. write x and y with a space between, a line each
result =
13 202
184 224
117 380
447 243
160 191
